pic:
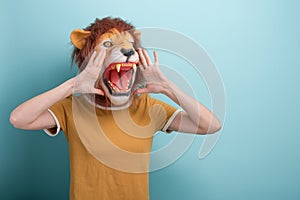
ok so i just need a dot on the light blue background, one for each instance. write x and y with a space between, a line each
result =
255 46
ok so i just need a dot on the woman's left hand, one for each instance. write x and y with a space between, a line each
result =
155 80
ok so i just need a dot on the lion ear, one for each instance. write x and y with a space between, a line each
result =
137 34
78 37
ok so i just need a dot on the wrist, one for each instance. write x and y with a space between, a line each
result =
172 91
166 87
68 87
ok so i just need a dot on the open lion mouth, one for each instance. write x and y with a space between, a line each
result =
118 77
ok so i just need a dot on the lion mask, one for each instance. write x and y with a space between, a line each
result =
119 70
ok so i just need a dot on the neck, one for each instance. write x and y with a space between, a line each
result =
104 103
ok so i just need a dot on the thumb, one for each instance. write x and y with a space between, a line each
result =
98 91
140 91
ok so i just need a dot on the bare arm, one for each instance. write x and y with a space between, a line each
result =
195 118
33 114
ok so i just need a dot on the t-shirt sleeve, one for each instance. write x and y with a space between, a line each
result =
164 114
60 111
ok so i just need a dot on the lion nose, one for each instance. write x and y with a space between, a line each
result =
127 52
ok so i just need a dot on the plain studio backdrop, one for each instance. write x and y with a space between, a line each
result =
255 47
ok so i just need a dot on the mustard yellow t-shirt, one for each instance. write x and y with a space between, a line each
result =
109 150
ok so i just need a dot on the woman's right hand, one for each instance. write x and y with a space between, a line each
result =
33 114
85 81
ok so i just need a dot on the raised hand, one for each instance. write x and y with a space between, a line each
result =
34 115
155 80
85 81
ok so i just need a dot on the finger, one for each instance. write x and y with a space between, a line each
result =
141 91
93 56
98 91
100 58
141 66
142 58
148 59
155 57
90 61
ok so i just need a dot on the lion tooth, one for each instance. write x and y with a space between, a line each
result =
118 66
134 66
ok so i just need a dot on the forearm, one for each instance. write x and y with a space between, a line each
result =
202 117
29 111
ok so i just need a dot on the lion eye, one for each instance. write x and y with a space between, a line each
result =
107 44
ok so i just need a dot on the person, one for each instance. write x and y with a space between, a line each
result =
96 172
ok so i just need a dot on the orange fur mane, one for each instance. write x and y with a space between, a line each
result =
98 28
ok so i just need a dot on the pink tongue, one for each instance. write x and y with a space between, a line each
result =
120 80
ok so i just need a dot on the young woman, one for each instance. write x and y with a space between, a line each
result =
107 86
